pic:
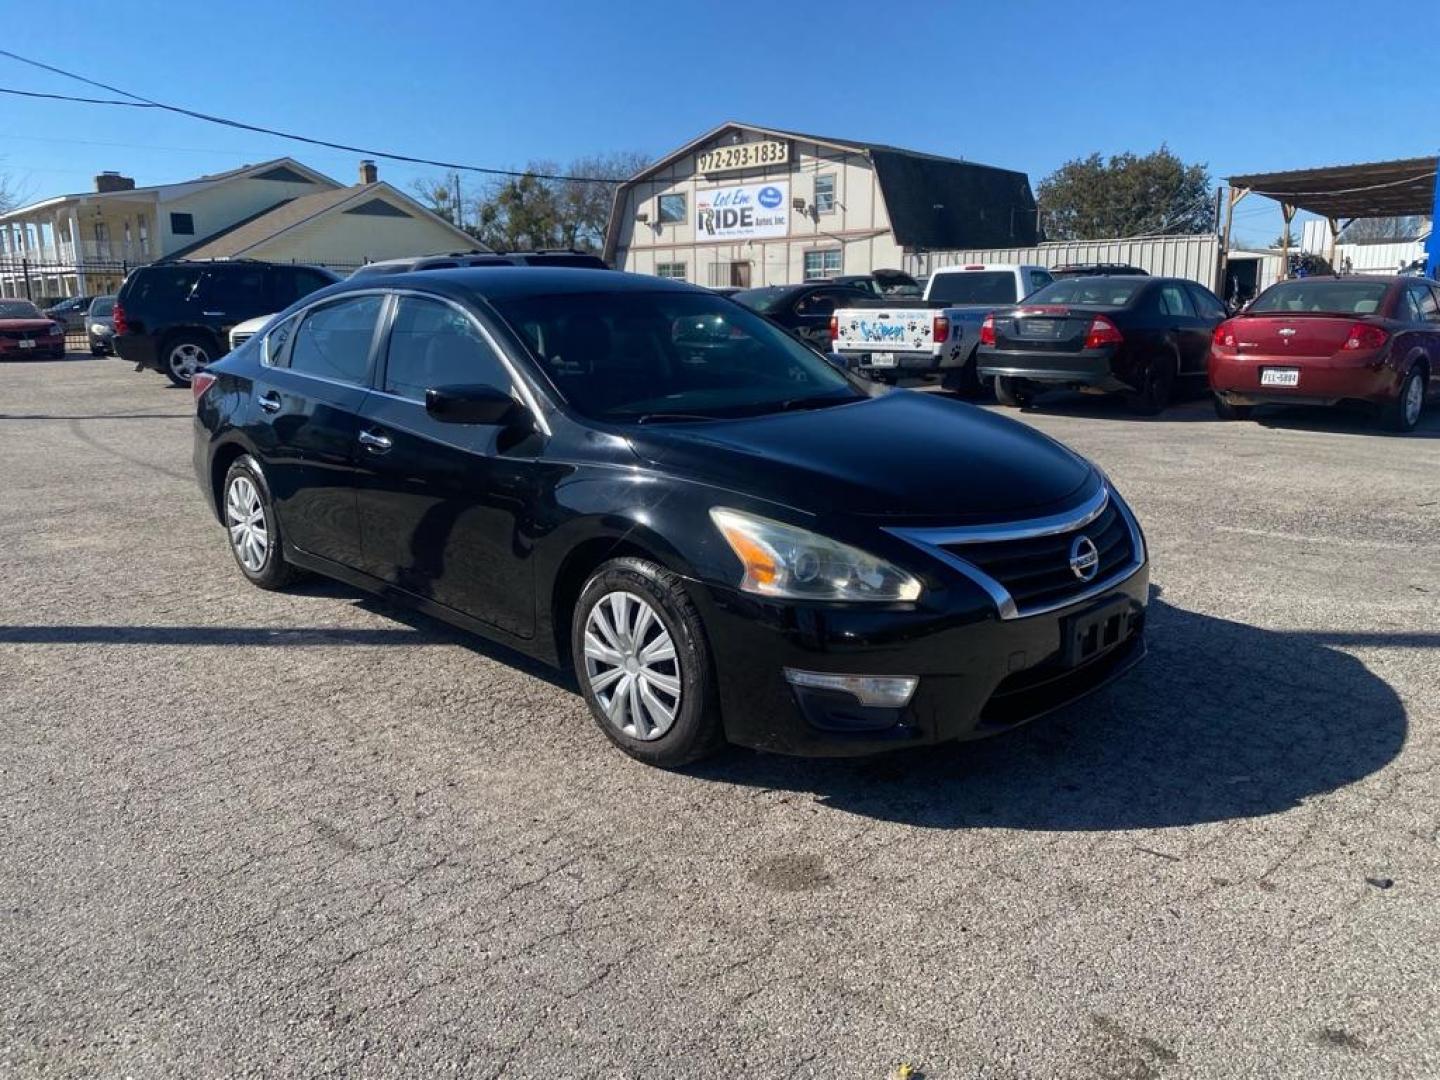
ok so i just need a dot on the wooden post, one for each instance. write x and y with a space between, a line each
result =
1288 211
1334 237
1236 194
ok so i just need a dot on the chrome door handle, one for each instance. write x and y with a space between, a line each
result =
376 444
270 402
214 314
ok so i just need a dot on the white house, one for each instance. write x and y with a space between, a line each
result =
84 244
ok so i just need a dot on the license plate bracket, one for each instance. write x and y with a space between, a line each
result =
882 359
1090 634
1279 376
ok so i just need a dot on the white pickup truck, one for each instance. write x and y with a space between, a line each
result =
934 337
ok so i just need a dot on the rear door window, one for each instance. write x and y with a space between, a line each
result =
293 282
1175 300
1207 303
1406 309
162 285
1424 298
236 292
334 342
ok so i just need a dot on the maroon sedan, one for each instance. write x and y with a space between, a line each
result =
26 332
1324 340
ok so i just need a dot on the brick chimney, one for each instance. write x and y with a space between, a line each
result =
368 173
113 181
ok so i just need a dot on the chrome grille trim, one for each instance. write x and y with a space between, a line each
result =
931 541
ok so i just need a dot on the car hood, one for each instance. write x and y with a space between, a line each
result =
903 455
27 324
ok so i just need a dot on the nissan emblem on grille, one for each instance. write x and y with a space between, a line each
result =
1084 557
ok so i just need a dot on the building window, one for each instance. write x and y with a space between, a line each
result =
182 224
142 224
670 270
823 264
825 193
672 209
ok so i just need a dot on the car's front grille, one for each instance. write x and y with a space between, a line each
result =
1036 570
19 335
1029 567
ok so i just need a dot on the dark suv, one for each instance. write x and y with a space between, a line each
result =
175 317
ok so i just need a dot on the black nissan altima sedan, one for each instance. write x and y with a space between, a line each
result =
728 538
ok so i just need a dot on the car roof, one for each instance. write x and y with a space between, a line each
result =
498 282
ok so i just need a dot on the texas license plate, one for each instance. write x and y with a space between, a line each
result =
1280 376
27 343
882 359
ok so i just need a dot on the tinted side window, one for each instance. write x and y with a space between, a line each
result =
1207 303
291 283
816 304
1174 300
334 340
1424 302
234 291
1405 307
162 285
432 344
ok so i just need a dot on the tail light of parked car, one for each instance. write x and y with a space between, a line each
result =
1365 336
987 331
1224 336
1102 332
941 329
200 382
834 329
117 318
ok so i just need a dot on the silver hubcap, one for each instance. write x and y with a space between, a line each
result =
187 359
1414 398
631 666
245 517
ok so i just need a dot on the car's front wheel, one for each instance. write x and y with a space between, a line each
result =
184 356
644 664
252 526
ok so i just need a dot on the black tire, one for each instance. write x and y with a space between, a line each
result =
1226 411
1016 393
97 350
1396 415
963 381
695 730
273 572
1157 384
177 347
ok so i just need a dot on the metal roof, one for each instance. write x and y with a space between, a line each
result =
1375 189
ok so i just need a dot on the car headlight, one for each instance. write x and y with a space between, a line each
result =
781 560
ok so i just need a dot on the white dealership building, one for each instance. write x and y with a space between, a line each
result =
744 205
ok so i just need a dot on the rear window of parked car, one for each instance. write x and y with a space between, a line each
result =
975 287
1090 291
1340 297
102 306
162 285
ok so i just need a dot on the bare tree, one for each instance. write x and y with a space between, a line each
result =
1362 230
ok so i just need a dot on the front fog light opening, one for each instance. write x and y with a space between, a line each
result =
874 691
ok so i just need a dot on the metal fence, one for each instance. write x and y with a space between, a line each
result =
1193 257
48 282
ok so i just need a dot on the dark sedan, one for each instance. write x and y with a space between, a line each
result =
1134 335
724 535
803 310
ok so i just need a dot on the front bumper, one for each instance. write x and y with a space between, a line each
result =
49 345
979 675
1323 380
1091 367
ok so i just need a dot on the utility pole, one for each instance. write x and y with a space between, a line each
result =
459 206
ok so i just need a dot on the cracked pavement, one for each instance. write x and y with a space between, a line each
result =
256 834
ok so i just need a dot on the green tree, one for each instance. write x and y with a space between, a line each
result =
1094 198
1285 239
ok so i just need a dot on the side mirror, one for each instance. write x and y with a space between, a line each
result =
478 404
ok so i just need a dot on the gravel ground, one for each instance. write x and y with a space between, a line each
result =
254 834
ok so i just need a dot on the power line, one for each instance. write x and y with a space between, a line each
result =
137 102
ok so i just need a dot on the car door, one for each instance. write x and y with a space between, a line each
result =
306 420
230 294
445 507
1430 312
1186 330
1211 313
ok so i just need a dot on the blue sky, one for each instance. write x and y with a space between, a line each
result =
1021 83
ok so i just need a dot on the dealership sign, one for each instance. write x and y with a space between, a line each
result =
743 212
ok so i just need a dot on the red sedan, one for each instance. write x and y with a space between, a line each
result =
1324 340
26 332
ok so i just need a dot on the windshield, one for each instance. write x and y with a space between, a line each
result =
662 356
1104 292
771 298
18 309
1339 297
103 305
974 287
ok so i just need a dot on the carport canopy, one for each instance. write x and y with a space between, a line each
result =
1342 193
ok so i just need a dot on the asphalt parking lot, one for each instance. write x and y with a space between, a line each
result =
249 834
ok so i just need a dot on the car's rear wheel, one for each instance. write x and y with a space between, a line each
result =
1226 411
644 664
1157 383
252 527
963 381
1404 412
184 355
1017 393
